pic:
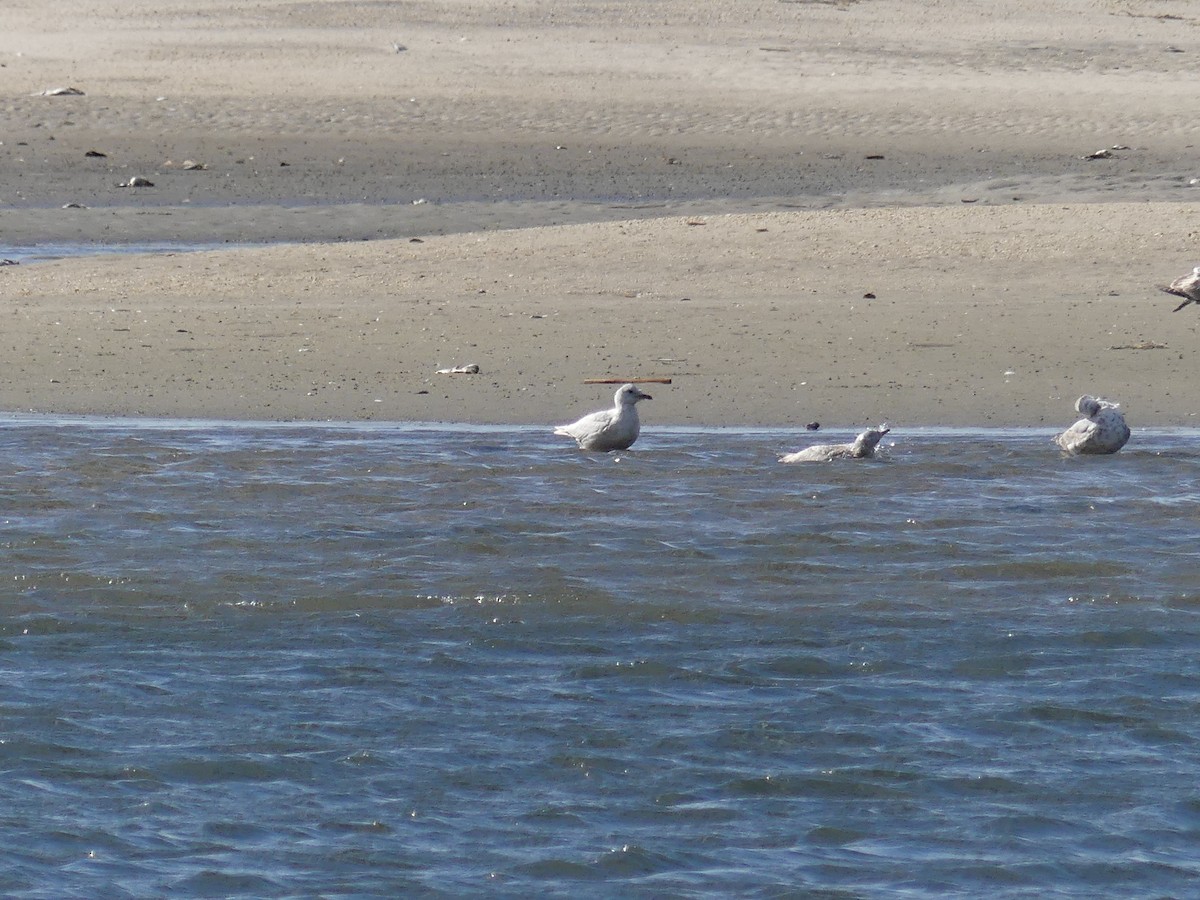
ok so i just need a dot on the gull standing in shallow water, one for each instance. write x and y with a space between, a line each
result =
609 429
1187 287
863 447
1103 431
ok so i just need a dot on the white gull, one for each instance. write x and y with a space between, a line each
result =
1102 431
862 447
609 429
1187 287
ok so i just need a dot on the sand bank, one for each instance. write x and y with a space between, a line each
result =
558 192
989 315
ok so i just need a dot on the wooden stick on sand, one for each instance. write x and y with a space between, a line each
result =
627 381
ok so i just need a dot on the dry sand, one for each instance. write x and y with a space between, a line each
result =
558 191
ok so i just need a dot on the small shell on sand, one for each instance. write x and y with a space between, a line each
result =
470 369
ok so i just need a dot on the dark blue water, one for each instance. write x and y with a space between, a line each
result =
336 661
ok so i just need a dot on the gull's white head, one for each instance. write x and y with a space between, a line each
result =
1196 271
628 395
872 436
1090 406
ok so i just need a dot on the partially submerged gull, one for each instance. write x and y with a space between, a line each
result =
1185 286
862 447
609 429
1102 431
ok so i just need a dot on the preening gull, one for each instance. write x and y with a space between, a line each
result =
609 429
1187 287
862 447
1102 431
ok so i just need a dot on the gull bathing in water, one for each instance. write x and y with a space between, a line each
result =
1187 287
609 429
863 447
1102 431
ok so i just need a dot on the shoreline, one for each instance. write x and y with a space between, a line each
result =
793 433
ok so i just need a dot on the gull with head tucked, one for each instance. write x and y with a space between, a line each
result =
1185 286
862 447
1103 430
609 429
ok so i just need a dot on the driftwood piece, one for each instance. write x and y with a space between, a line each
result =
627 381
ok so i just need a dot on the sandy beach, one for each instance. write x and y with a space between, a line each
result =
844 212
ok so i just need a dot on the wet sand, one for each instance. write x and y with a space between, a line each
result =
624 189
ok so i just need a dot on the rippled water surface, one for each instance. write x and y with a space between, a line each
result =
344 661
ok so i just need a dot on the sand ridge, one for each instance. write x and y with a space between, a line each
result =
979 315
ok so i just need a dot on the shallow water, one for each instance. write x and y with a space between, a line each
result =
369 660
48 252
